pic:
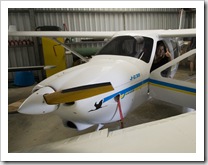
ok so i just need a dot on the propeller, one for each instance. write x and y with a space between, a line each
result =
77 93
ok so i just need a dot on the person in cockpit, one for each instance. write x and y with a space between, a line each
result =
162 56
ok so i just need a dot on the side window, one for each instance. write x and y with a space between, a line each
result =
185 69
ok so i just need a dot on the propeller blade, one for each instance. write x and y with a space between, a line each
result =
77 93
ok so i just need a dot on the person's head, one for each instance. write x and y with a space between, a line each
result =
160 50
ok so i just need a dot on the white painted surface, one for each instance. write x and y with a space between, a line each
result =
171 135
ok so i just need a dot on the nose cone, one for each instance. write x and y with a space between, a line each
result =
35 103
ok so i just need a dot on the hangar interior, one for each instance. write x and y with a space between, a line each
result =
28 130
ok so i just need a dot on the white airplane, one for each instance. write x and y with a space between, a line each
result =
114 82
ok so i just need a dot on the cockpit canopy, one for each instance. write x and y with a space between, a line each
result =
138 47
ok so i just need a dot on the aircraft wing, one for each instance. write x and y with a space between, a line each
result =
77 34
29 68
54 34
177 33
171 135
99 34
178 91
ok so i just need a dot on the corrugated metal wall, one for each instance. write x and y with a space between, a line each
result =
109 19
97 19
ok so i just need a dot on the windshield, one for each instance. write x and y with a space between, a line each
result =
129 46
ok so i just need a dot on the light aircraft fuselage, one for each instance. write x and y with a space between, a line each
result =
124 64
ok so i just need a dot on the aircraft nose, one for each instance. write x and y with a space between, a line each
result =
35 103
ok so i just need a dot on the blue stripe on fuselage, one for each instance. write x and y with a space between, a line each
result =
127 90
165 84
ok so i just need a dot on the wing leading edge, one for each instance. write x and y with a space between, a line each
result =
102 34
77 34
29 68
177 33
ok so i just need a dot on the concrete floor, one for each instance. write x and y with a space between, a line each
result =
31 130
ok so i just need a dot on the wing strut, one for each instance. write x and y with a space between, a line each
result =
69 49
